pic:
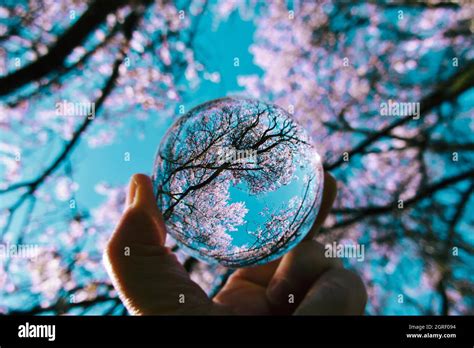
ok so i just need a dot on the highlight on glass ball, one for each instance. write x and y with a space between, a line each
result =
238 182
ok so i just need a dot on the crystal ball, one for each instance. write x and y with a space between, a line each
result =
238 182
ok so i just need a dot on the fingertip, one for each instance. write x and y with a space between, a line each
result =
143 191
144 199
141 223
132 186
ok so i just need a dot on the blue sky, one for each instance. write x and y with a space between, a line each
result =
107 164
216 49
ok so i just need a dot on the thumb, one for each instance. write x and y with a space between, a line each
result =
147 275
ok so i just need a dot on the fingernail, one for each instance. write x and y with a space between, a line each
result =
144 197
132 188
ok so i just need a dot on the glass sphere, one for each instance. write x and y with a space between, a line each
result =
238 182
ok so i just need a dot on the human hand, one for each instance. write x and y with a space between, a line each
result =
151 281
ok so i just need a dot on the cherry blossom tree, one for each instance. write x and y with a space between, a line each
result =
193 178
405 182
114 55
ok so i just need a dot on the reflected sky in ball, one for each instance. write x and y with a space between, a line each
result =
238 182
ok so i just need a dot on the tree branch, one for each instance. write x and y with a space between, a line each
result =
57 54
32 185
447 91
428 191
